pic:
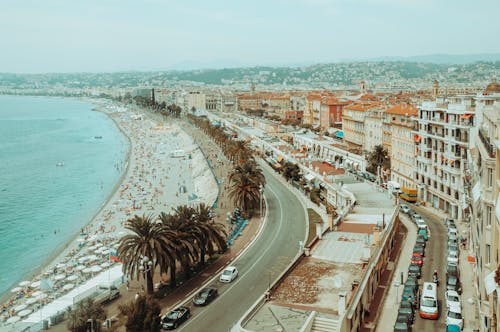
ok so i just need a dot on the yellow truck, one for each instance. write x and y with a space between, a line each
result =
408 194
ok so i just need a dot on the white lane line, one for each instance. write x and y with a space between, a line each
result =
232 285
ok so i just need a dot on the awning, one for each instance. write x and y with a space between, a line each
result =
466 116
280 159
339 134
417 138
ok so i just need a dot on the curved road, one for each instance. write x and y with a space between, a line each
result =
260 265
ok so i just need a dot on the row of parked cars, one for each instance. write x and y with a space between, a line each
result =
411 290
454 320
174 318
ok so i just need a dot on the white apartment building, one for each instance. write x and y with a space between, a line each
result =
443 138
194 99
485 218
373 129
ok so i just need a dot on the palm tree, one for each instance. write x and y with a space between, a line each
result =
148 239
84 310
378 157
245 183
211 235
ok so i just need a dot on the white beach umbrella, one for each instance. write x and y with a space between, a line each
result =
96 268
68 286
16 289
13 319
24 312
38 294
60 265
105 252
80 267
83 259
60 276
87 270
24 283
31 300
72 277
35 284
105 265
20 307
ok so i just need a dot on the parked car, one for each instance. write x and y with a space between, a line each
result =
421 224
452 299
453 328
453 283
419 249
412 281
407 308
452 257
452 247
411 214
384 185
452 237
449 221
424 233
205 296
415 217
401 327
171 320
404 208
452 270
403 318
454 316
417 259
370 178
410 294
452 230
414 270
229 274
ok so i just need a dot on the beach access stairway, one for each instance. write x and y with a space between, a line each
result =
322 324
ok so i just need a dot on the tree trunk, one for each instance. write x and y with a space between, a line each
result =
173 281
149 281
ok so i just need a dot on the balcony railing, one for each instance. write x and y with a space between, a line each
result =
487 145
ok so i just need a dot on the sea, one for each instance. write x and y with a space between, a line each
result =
59 161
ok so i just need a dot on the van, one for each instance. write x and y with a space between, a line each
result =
429 302
106 293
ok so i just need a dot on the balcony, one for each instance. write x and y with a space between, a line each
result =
487 145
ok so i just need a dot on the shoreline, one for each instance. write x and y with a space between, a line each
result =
71 243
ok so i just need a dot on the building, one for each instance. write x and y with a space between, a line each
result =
485 217
353 124
331 112
442 141
313 108
194 99
401 121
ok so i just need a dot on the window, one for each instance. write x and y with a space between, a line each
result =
490 177
488 215
487 254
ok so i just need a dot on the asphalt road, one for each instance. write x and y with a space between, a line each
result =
435 259
261 264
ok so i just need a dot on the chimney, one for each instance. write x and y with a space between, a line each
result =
342 303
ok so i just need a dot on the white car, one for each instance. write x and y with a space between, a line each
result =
229 274
404 208
452 257
452 299
454 316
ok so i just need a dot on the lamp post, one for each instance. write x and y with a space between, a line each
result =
145 267
261 191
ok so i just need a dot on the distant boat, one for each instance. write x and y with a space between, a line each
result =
97 137
60 164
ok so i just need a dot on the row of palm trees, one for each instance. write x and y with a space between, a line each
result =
246 179
184 238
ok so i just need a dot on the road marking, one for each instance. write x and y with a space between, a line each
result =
278 232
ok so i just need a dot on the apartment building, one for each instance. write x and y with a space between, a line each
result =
312 110
248 102
442 141
373 128
485 217
401 121
331 112
353 124
194 99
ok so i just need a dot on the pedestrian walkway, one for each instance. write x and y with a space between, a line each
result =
387 318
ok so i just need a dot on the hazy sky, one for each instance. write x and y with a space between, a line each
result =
112 35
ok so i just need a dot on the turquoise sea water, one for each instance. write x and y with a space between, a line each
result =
55 173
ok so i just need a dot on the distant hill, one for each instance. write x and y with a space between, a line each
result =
450 59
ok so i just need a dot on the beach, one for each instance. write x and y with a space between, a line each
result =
165 169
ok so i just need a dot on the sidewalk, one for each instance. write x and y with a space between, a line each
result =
387 318
469 293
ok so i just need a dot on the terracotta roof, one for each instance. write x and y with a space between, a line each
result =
402 109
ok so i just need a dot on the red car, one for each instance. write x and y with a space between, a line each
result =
417 259
384 185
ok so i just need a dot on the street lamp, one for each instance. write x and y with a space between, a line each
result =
261 191
145 267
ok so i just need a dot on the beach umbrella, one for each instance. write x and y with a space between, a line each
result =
105 252
96 268
92 257
13 319
83 259
38 294
31 300
68 286
60 265
20 307
35 284
105 265
87 270
60 276
24 312
24 283
16 289
80 267
72 277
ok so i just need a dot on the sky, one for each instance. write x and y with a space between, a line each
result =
39 36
